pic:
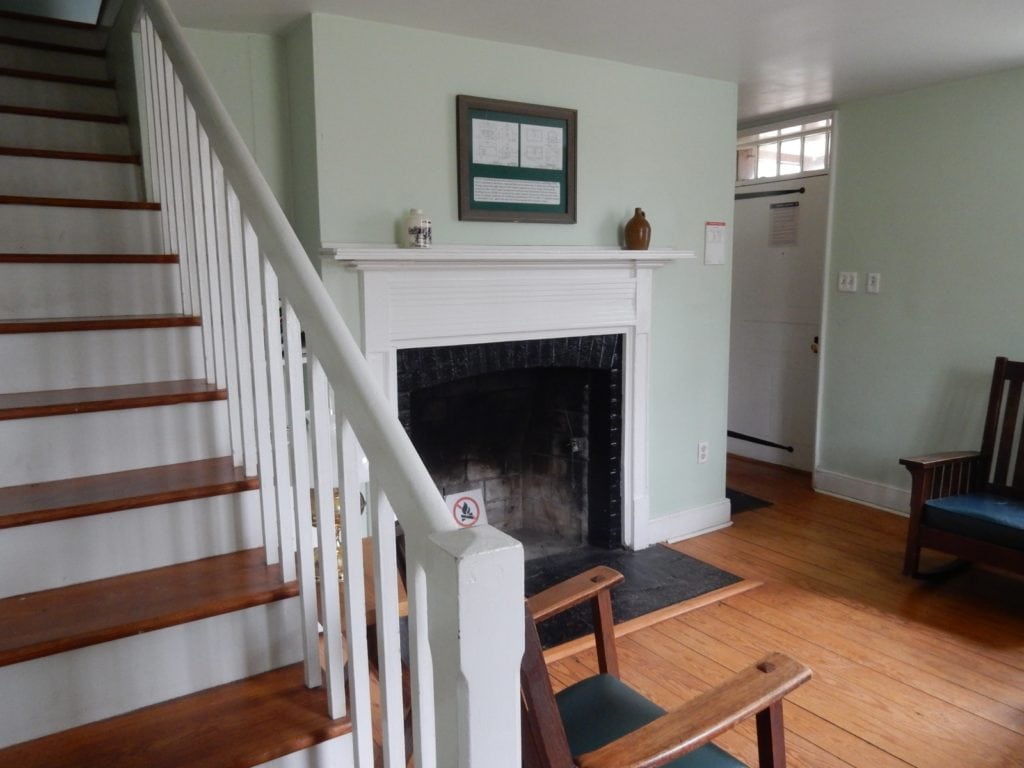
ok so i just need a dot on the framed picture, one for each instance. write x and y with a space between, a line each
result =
517 162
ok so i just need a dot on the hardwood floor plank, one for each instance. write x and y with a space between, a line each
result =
907 674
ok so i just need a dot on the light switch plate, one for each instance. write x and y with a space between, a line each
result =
848 282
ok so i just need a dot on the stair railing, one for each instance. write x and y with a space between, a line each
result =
272 336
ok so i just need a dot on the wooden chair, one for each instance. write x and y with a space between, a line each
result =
601 722
971 503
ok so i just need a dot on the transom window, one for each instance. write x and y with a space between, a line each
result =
785 150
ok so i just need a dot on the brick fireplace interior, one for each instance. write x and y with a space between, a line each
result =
535 424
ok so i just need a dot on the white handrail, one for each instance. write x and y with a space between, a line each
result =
406 481
465 585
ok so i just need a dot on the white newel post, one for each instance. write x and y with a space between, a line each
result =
475 597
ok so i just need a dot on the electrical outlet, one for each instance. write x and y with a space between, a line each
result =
702 452
848 282
874 282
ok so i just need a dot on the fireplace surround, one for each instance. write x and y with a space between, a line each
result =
470 295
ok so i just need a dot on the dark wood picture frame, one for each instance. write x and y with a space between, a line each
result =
513 189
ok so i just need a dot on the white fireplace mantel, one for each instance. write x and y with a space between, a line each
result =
481 294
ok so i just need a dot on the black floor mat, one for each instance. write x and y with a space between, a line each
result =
743 502
655 578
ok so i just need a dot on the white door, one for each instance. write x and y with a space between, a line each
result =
776 320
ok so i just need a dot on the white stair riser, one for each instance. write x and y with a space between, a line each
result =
41 94
53 229
68 135
59 447
52 62
88 290
95 39
112 544
46 177
338 752
100 681
33 361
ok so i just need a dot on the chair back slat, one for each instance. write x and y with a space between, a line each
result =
1002 457
545 744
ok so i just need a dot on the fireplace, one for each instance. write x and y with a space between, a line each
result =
534 425
449 306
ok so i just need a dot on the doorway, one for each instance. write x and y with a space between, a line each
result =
778 265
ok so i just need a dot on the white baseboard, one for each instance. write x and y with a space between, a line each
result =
689 522
885 497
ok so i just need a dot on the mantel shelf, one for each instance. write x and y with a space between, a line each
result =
362 257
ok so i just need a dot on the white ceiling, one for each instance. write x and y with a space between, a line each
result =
786 55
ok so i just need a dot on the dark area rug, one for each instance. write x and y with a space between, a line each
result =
743 502
655 578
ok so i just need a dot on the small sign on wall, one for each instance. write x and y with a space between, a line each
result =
467 508
714 242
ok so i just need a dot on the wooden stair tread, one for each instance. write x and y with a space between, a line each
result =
248 722
58 402
113 323
115 491
57 620
57 154
39 45
78 202
51 77
61 114
36 19
88 258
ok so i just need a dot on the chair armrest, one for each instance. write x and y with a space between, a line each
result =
566 594
698 721
936 460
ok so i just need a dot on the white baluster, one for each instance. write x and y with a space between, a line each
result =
421 681
213 318
355 593
389 640
175 201
151 161
156 78
185 210
227 316
325 473
279 420
261 395
240 323
198 220
296 399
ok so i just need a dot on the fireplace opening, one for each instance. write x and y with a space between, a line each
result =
535 425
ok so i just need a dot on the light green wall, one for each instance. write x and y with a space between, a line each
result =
385 124
249 73
928 192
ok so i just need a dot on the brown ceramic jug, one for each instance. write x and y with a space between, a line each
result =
638 232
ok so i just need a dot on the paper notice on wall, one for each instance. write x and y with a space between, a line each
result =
521 191
495 142
714 242
783 225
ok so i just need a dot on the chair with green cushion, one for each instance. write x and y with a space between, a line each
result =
970 504
601 722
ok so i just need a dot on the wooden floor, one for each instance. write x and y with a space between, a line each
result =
905 673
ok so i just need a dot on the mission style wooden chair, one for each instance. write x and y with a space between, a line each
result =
970 504
601 722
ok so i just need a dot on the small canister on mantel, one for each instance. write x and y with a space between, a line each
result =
416 231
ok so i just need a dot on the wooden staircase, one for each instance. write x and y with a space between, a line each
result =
139 622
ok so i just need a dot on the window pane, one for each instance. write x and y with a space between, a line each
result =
768 135
790 160
767 160
791 129
815 151
746 163
818 124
